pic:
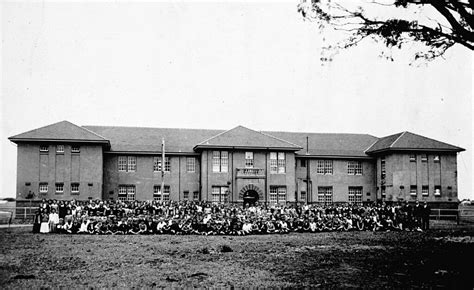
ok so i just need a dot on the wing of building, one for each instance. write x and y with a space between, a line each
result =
66 161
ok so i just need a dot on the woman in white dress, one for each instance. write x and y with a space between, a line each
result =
44 228
53 220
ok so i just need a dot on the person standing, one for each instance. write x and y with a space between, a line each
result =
425 216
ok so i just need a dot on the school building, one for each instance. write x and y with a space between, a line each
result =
66 161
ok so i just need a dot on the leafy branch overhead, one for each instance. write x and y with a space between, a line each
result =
435 24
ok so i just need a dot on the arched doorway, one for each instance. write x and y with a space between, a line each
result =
250 197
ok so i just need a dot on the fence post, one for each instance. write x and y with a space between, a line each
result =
457 216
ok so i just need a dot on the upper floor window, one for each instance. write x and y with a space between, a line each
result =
220 161
157 164
248 159
191 164
412 158
324 167
44 148
127 163
303 163
382 168
354 167
75 149
59 148
277 162
424 158
436 158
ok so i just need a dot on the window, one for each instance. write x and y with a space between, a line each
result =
303 196
74 188
281 162
132 163
355 194
382 168
437 190
157 194
248 159
303 163
220 161
44 148
278 194
59 187
436 158
424 190
191 164
354 168
127 163
43 187
424 158
126 192
383 191
220 194
185 195
324 167
413 189
412 158
325 194
59 148
157 164
277 162
75 149
195 195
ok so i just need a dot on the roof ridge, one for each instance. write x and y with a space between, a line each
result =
279 139
370 146
215 136
396 140
143 127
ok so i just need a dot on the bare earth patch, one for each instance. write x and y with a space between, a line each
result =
354 259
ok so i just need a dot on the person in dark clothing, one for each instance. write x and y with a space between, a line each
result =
425 216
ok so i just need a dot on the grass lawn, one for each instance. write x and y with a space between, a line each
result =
347 259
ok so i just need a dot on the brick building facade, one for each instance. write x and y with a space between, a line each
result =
64 161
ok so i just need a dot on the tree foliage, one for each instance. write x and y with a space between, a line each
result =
436 24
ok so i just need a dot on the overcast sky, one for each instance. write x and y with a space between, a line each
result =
216 66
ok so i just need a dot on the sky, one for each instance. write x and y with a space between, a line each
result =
216 65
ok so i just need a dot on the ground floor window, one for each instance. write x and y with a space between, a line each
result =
59 187
303 196
355 194
325 194
185 195
220 194
277 194
43 187
157 194
196 195
74 188
126 192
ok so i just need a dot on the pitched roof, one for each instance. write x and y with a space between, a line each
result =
61 131
329 144
243 137
137 139
410 141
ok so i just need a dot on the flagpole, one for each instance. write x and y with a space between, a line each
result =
162 169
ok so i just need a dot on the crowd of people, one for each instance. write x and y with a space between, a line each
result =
206 218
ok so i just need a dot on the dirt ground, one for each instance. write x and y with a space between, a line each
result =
352 259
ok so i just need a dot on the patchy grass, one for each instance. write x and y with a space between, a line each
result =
354 259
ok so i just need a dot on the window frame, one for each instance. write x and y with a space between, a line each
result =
40 190
325 194
249 159
220 161
43 148
425 190
354 167
354 194
220 194
60 149
191 164
413 190
75 149
166 192
325 167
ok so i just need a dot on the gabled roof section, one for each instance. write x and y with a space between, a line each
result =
143 139
410 141
61 131
242 137
329 144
